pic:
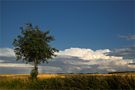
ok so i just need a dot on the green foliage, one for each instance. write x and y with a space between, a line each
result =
33 45
71 83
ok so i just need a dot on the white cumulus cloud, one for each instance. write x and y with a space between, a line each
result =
88 54
72 60
8 52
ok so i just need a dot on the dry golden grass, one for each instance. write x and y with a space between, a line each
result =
44 76
117 81
14 75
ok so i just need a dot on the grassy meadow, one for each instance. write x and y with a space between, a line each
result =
68 82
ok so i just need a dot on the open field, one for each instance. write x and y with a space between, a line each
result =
45 76
68 81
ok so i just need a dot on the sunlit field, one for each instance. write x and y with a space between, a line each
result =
68 81
45 76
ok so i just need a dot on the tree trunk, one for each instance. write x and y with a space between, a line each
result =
34 71
35 64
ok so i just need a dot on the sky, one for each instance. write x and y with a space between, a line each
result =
85 24
90 34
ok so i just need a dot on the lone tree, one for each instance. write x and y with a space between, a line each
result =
32 46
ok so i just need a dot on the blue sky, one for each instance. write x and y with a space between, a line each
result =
85 24
92 35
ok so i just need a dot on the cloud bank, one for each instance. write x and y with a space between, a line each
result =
72 60
126 53
88 54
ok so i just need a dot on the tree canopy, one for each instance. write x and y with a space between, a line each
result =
33 45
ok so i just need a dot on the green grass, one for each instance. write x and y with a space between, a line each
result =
77 82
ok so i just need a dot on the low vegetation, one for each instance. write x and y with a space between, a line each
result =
68 82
